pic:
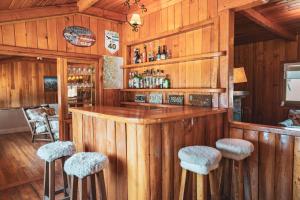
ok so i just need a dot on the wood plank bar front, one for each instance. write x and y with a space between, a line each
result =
143 156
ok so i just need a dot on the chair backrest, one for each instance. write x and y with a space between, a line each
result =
24 109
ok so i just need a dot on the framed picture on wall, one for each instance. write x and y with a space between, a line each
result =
50 83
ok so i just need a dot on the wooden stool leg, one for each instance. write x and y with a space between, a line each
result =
182 184
238 181
65 178
46 181
92 187
52 180
214 185
101 185
83 188
74 187
247 181
201 187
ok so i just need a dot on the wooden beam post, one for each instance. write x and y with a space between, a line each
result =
85 4
261 20
239 4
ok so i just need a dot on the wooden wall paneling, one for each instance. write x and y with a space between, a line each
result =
60 26
78 137
168 161
132 161
252 136
86 23
70 22
20 34
121 147
100 34
155 161
203 9
31 34
111 152
52 34
296 169
171 18
42 34
8 34
164 20
267 165
1 36
178 144
185 9
78 22
177 15
143 152
94 28
284 167
194 11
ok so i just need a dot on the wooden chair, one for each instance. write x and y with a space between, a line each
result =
237 151
51 153
48 135
201 161
84 167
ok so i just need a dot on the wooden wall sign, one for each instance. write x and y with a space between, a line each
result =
201 100
79 36
140 98
112 41
176 99
156 98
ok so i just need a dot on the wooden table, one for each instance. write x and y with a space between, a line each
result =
142 145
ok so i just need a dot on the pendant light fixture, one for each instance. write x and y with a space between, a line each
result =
135 20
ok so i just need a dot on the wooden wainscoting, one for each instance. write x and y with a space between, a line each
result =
275 163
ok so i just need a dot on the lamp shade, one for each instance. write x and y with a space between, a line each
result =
135 19
239 75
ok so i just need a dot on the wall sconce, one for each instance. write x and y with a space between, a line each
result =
135 20
239 75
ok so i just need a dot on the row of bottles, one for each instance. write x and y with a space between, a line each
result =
151 79
150 56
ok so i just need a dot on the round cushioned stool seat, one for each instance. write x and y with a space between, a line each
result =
236 149
199 159
85 163
56 150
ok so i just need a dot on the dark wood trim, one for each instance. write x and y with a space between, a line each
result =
264 128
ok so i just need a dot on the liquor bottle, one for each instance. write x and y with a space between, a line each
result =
130 85
161 79
157 80
164 53
158 55
144 56
167 83
141 85
169 54
136 80
151 53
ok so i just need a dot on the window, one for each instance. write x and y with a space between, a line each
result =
292 84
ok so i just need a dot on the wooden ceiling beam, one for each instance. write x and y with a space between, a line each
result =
15 15
238 5
261 20
39 12
85 4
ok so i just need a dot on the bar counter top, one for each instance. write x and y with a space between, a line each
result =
142 116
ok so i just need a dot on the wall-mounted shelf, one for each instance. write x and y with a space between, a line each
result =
203 56
173 32
150 104
186 90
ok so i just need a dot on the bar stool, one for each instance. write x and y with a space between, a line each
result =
50 153
82 166
237 151
200 160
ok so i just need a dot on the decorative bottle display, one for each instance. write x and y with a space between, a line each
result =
148 54
149 79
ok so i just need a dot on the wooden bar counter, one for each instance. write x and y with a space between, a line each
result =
142 145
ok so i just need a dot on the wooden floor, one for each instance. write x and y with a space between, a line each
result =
21 171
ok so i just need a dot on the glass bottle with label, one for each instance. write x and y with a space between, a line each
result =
166 82
158 55
164 53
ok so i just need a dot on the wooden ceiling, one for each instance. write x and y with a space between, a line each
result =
111 5
284 13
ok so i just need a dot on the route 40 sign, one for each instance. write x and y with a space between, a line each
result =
112 41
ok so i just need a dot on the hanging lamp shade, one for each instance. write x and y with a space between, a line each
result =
239 75
135 19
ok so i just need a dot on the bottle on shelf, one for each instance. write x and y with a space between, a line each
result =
158 55
151 53
166 83
163 55
144 55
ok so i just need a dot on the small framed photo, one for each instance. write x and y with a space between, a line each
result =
156 98
140 98
50 83
176 99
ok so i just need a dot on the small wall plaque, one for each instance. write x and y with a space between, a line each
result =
176 99
79 36
156 98
200 100
140 98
